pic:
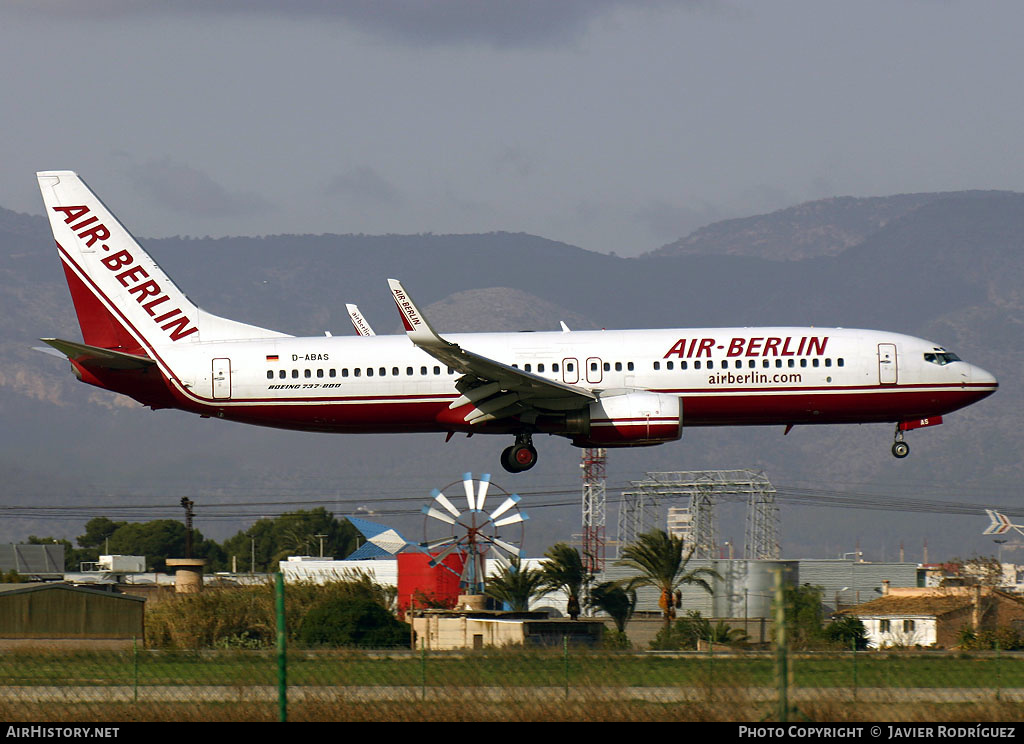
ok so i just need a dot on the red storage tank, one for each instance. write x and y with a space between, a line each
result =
431 587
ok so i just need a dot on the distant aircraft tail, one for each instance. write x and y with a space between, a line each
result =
123 299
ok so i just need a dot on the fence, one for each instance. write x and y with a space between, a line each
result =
507 685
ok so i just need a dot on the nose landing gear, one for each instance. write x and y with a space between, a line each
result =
521 456
900 449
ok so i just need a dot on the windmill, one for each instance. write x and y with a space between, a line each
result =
474 532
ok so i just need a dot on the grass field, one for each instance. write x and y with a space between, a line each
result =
506 685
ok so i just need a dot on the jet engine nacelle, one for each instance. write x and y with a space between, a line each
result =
632 420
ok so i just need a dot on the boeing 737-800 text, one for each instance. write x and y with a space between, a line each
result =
144 338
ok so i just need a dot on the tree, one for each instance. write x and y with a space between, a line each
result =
353 622
564 571
658 558
292 533
615 601
847 631
516 586
160 539
804 612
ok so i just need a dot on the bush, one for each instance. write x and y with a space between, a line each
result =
353 622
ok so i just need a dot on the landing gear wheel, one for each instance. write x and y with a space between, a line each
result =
900 449
520 457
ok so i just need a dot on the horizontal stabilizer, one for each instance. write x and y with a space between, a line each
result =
94 356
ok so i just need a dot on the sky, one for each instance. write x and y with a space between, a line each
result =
614 125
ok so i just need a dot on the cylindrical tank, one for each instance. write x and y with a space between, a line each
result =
747 588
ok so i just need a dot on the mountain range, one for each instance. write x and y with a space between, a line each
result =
943 266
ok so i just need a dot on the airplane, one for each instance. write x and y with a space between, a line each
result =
142 337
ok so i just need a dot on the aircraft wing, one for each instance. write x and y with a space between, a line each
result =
94 356
496 389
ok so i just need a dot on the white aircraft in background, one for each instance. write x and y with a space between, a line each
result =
144 338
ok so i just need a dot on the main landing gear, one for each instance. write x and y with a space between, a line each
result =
520 456
900 449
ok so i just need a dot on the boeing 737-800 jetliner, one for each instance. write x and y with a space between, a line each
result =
144 338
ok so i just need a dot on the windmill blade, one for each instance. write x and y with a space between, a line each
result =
444 502
481 494
467 484
506 505
508 547
443 554
513 519
435 544
432 512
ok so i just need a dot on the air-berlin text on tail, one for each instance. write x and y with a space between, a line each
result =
147 291
755 346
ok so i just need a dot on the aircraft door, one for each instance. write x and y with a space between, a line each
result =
221 379
570 371
887 372
594 372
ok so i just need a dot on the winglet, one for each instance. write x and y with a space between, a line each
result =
358 321
416 325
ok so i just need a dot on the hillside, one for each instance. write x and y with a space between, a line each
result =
943 266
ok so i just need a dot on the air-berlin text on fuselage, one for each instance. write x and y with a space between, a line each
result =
755 346
147 293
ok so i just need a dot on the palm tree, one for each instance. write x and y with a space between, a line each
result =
564 571
618 603
659 559
516 586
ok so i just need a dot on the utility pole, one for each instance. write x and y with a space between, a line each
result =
187 504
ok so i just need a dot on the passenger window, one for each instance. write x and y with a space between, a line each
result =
332 373
526 367
423 370
282 374
437 370
803 362
815 362
839 361
408 371
307 374
540 367
696 364
394 371
629 366
295 373
369 371
657 365
682 365
270 374
828 362
319 373
344 372
792 362
357 371
554 367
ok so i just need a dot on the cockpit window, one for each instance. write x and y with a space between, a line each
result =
941 358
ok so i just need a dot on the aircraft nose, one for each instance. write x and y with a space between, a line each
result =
981 377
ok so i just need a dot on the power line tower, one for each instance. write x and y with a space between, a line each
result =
592 463
695 495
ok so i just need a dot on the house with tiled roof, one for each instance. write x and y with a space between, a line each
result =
935 617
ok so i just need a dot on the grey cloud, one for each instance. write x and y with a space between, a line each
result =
186 190
366 186
499 23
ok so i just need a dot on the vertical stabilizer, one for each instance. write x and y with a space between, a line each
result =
123 298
